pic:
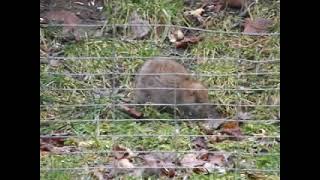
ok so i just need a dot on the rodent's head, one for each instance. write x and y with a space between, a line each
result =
194 92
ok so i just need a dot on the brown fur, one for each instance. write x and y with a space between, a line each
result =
165 96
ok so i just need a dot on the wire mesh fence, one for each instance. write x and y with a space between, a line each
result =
92 127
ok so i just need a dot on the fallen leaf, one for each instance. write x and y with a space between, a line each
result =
218 160
168 172
176 36
46 147
215 120
187 41
199 143
54 141
124 163
121 152
232 128
204 161
132 112
216 138
142 31
214 6
259 25
190 160
209 126
195 14
56 145
210 167
230 125
156 160
256 176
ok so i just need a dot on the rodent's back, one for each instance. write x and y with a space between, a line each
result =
156 78
162 65
158 66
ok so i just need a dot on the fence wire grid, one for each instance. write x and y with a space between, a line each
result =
90 123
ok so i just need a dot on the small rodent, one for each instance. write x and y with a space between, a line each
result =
196 92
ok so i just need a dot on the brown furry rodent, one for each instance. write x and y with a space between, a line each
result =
166 96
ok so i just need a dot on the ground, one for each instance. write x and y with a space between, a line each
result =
254 82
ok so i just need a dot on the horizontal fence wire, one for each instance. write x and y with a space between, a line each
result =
125 120
158 136
158 167
159 25
164 57
157 88
154 104
163 74
169 152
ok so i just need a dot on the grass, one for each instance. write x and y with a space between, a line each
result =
214 45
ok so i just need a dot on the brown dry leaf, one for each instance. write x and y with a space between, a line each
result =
259 25
175 36
199 143
216 162
124 166
217 159
216 138
205 161
197 12
214 6
168 172
49 146
132 112
230 125
256 176
209 126
142 31
190 160
187 41
232 128
157 160
54 141
195 15
122 152
124 163
46 147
